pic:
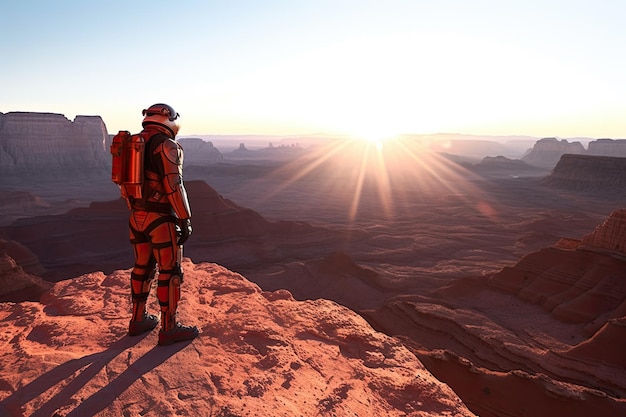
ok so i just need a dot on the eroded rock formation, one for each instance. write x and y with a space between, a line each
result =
608 147
49 144
16 284
610 236
200 152
542 337
547 152
577 281
576 286
22 256
589 173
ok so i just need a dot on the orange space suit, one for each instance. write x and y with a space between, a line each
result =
160 219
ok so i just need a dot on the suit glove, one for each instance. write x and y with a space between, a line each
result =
184 230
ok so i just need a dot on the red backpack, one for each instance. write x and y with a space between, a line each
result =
128 163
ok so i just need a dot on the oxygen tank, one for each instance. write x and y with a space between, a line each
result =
117 152
133 182
127 165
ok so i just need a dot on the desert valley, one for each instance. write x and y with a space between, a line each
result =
419 276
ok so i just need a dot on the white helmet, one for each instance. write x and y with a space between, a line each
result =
163 115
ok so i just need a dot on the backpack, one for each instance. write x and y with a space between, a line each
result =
130 159
128 163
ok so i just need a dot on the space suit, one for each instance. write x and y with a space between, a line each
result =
160 222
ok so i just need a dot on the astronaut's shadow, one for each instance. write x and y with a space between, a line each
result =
94 364
100 399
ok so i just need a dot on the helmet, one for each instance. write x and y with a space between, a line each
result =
161 114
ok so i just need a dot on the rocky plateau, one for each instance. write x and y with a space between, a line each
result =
503 279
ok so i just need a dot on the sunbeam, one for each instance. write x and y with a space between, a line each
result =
369 179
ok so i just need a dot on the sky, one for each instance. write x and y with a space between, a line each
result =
369 68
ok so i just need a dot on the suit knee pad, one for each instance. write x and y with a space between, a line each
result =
140 282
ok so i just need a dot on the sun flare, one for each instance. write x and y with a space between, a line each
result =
374 138
376 176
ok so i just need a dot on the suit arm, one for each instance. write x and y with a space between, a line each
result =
172 157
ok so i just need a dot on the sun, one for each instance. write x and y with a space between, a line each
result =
376 140
374 137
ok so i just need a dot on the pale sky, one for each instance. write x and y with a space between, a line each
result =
528 67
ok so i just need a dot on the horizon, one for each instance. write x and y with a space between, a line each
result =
373 69
331 136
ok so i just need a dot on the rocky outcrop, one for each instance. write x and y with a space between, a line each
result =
241 152
576 286
606 346
504 358
16 284
502 162
588 173
610 236
259 353
542 337
200 152
22 256
577 281
49 144
547 152
608 147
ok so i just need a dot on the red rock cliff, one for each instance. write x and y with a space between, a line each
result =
36 142
589 173
610 236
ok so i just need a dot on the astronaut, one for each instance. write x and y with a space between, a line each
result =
160 222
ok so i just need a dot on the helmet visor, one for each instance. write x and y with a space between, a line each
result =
162 109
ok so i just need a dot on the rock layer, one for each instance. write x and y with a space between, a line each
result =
542 337
610 236
577 281
574 285
200 152
547 152
222 232
589 173
608 147
50 144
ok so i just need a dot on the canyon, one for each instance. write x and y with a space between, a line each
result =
547 152
503 278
